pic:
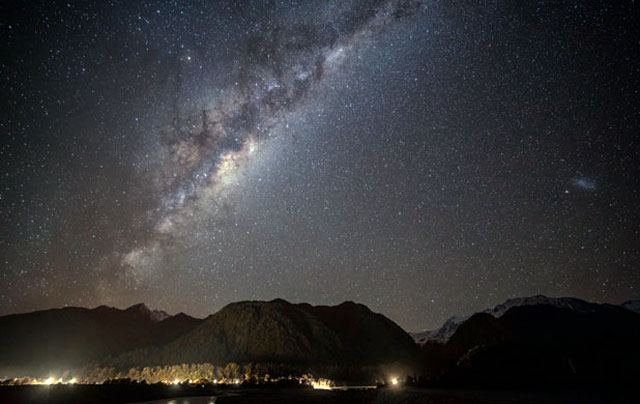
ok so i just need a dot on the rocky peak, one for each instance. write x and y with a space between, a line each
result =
141 310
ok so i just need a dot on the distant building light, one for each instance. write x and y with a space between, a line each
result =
321 384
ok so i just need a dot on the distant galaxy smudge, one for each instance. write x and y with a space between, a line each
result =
585 183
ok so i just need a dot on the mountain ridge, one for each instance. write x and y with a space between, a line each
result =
534 344
67 337
276 331
538 337
443 334
284 332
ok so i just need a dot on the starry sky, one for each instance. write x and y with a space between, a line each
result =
425 158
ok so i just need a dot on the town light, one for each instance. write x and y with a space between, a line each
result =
321 384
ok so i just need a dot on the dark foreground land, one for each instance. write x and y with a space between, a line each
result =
206 395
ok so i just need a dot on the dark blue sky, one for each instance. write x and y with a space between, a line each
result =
425 158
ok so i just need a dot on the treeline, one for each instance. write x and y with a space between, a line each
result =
252 372
200 372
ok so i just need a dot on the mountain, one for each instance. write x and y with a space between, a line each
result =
528 340
537 344
633 305
440 335
569 303
55 340
444 333
282 332
141 311
347 336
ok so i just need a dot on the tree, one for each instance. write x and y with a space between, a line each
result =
232 371
248 371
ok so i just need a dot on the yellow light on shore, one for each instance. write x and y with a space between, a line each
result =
50 380
176 381
321 384
394 381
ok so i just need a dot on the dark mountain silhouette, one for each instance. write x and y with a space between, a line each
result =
540 344
60 339
445 332
279 331
633 305
524 341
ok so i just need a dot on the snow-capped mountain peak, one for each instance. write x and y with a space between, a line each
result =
450 326
569 303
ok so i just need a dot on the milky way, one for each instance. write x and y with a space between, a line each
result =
283 64
425 158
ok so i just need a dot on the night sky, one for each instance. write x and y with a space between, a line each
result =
425 158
